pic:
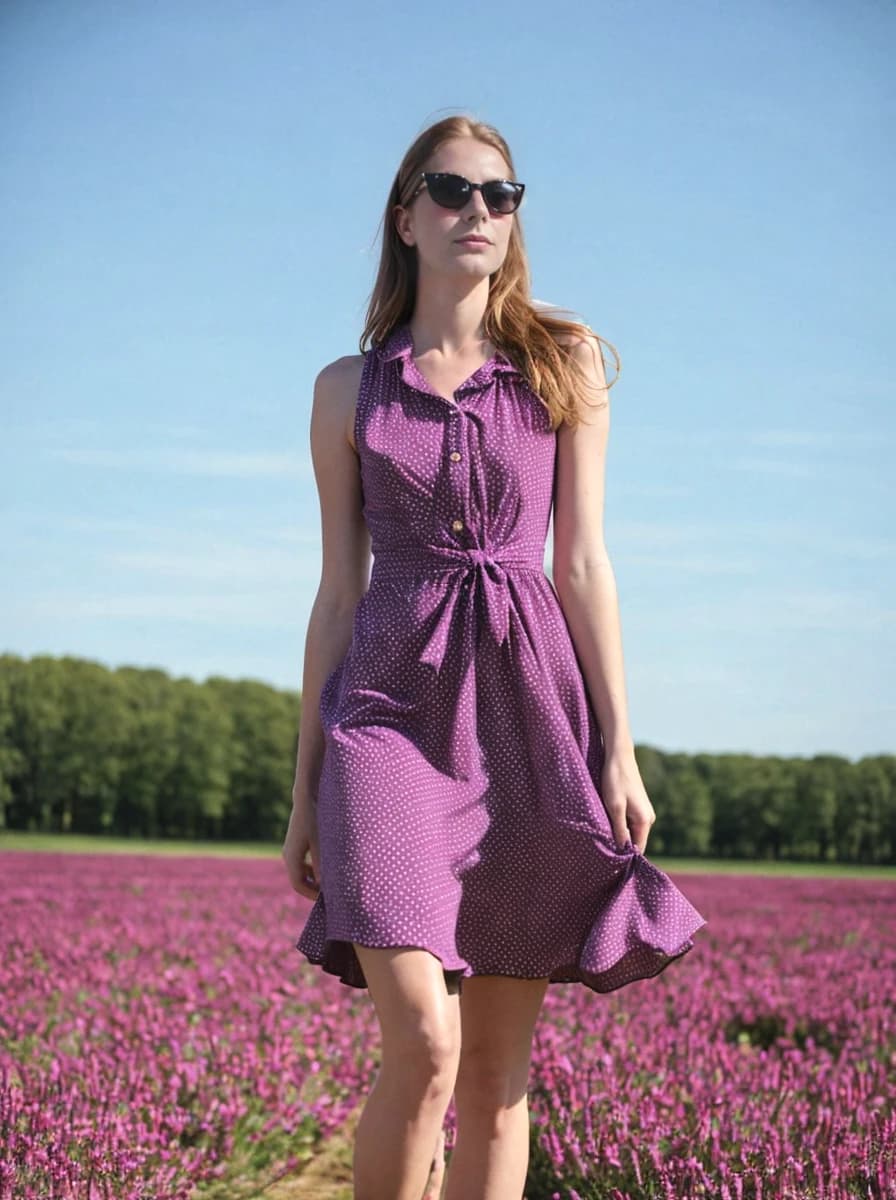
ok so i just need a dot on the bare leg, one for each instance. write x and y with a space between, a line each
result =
399 1128
437 1175
491 1156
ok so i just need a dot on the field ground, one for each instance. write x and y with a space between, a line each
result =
175 962
95 844
327 1176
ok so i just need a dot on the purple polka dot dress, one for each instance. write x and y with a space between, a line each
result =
459 807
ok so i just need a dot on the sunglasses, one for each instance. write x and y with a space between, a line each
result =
453 191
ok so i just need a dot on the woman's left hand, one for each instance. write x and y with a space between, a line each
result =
625 799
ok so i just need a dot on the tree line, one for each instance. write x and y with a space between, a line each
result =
137 753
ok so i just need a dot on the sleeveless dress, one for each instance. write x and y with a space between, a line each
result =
458 807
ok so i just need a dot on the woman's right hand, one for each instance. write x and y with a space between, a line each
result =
302 838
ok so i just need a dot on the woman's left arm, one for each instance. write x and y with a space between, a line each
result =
586 587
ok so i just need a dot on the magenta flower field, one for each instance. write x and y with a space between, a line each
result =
161 1038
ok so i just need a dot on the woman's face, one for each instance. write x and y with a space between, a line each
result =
436 231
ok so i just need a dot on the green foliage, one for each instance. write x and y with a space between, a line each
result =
136 753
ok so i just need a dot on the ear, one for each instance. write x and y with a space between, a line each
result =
403 224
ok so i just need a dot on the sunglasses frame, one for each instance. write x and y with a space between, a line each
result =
426 175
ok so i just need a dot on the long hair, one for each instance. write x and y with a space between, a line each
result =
524 329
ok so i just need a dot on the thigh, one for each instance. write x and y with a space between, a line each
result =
498 1018
412 998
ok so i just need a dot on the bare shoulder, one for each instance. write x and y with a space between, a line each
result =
336 387
585 349
585 352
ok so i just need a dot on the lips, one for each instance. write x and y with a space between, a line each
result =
480 240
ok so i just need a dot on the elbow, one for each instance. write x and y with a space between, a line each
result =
338 601
580 572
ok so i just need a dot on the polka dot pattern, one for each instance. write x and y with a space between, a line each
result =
458 806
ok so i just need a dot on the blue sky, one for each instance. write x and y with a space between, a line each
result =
190 202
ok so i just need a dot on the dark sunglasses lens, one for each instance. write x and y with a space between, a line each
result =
502 197
450 191
453 191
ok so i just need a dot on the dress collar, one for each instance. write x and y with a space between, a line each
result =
400 344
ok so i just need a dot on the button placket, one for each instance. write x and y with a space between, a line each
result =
458 492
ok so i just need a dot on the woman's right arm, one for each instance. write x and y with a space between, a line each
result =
344 579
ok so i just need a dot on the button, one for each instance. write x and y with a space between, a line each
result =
457 525
455 455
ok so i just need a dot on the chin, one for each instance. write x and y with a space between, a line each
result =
480 268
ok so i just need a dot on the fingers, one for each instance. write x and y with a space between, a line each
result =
311 876
308 883
303 878
618 826
640 832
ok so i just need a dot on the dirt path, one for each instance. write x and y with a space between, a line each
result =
329 1175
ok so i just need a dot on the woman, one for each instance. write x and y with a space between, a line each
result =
462 710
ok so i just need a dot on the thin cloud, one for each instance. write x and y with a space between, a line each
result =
791 468
219 463
772 610
815 439
733 438
635 538
240 609
693 564
189 529
229 562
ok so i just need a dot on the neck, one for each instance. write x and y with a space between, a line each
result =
449 324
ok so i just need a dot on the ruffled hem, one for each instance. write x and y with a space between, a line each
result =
339 959
607 959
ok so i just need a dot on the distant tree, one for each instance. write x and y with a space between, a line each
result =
813 816
684 820
134 752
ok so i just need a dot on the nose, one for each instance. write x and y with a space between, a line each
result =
476 198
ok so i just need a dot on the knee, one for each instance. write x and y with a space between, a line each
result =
487 1087
425 1054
